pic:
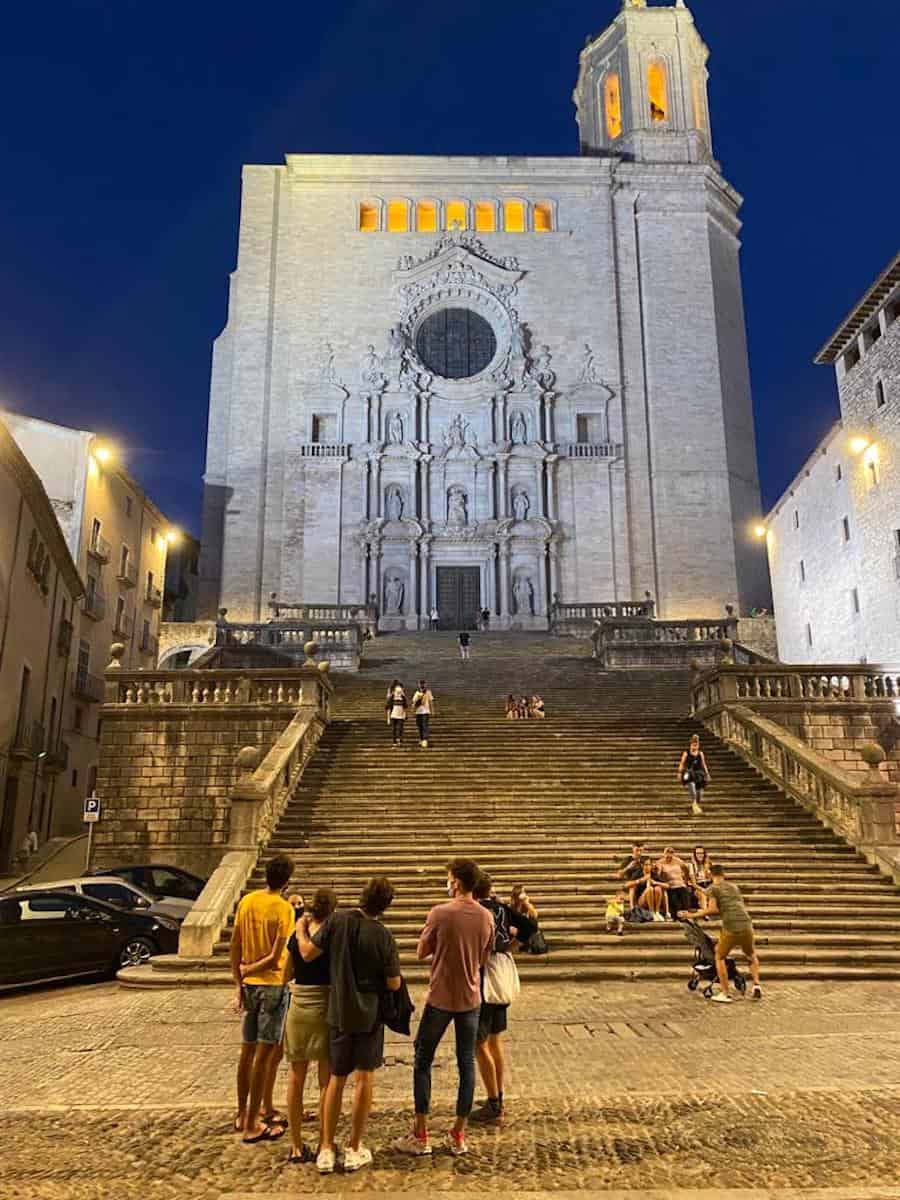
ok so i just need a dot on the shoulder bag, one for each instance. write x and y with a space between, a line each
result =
501 979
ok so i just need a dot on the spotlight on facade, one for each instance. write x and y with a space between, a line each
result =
103 454
858 444
173 537
759 531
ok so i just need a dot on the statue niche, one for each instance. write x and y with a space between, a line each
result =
395 429
523 596
520 504
394 591
457 506
518 428
393 503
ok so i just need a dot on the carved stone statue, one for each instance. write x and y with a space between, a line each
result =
457 506
326 364
396 342
393 595
518 428
542 371
521 504
517 341
523 596
395 428
370 371
455 437
393 503
588 372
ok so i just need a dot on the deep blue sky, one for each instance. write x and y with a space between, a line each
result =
126 123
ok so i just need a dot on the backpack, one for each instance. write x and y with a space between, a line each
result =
503 939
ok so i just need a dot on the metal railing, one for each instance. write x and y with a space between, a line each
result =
99 548
94 605
153 595
150 646
123 626
57 760
88 686
127 574
593 450
28 741
64 637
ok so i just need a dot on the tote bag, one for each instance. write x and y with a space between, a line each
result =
501 979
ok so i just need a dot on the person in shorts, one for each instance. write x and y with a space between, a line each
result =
363 961
262 926
725 899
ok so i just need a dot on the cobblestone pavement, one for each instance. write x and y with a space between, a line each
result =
644 1088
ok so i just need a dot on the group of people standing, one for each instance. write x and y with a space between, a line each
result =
397 707
319 984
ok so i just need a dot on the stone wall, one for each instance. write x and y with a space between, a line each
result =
165 778
839 733
759 634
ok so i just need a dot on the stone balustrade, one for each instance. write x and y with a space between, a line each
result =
192 688
625 643
343 642
862 810
580 620
780 682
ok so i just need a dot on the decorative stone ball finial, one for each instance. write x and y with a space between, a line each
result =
116 653
311 649
872 755
248 759
696 664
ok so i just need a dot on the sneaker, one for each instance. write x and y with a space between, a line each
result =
411 1143
657 916
354 1159
457 1143
696 809
325 1162
490 1113
721 998
756 994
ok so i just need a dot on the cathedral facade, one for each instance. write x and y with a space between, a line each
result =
464 383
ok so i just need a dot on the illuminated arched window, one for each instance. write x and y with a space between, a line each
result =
514 216
612 106
456 214
426 216
398 217
543 217
485 216
368 218
656 92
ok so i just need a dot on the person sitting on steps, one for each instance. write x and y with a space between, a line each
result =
512 708
648 891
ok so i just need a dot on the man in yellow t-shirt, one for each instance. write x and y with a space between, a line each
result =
262 926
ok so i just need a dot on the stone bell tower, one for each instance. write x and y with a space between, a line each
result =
641 90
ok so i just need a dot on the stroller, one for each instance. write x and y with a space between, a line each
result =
705 962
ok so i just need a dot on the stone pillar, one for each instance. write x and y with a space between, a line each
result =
424 580
364 572
551 464
553 562
367 485
379 499
415 609
504 580
503 497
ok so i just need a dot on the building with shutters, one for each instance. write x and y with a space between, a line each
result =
471 382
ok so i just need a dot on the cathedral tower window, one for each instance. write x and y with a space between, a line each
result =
456 214
368 218
543 217
426 216
656 92
514 216
612 106
485 216
398 216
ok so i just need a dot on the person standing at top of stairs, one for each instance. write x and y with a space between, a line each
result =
464 640
423 708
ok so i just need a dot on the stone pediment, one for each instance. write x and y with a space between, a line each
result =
463 258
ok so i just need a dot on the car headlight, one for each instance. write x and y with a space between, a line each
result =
165 923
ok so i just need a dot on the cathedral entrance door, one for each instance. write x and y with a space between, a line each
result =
458 597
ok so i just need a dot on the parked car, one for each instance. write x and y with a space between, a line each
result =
115 891
159 880
47 934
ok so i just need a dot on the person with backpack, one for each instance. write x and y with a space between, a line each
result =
457 938
493 1020
395 706
423 708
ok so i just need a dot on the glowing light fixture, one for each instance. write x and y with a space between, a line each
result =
858 444
173 537
103 454
759 531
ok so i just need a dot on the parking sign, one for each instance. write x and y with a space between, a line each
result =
91 809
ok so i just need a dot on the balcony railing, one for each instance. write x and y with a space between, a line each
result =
87 686
124 625
153 596
28 741
95 605
99 548
150 647
594 450
127 574
64 638
324 450
57 759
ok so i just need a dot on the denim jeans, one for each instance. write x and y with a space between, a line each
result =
432 1028
422 720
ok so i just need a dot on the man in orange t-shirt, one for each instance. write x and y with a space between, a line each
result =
262 926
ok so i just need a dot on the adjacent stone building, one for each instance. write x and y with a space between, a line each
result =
834 536
39 589
465 382
118 538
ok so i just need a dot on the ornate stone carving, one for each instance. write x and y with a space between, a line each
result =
325 369
393 503
395 429
457 237
456 436
370 372
523 596
588 372
518 428
457 506
541 371
520 504
394 591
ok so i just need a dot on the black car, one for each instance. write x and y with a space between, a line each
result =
50 935
159 880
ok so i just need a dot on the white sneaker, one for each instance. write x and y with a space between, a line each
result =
456 1143
657 916
696 809
354 1159
411 1143
721 998
325 1162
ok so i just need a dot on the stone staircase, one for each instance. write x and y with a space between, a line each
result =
556 804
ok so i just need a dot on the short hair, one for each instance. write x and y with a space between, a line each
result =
715 870
465 872
278 872
377 895
324 903
483 886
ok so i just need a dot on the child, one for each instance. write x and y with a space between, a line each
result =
615 914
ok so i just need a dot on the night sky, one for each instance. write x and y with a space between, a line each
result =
126 124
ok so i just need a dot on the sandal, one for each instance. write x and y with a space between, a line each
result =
274 1118
305 1156
269 1133
238 1124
